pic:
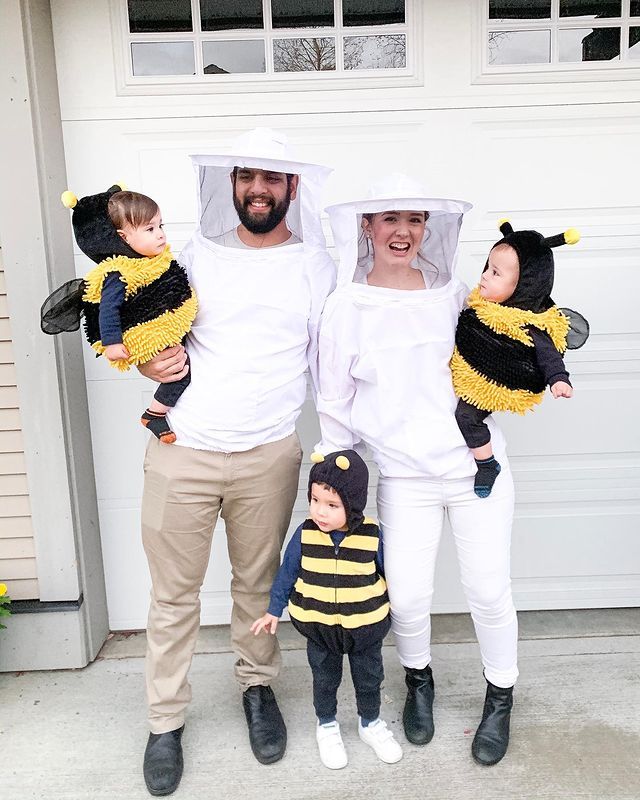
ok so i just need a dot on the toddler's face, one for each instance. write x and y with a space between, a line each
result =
499 280
149 240
326 508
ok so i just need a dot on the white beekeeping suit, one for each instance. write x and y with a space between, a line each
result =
385 380
384 353
256 329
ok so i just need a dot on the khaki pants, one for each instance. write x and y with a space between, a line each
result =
184 491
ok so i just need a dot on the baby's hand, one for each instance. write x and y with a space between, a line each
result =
115 352
561 389
268 623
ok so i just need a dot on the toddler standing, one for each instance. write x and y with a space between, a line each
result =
332 580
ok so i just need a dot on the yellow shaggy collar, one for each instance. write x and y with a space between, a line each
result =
136 273
512 321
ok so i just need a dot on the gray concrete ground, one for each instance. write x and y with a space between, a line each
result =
80 734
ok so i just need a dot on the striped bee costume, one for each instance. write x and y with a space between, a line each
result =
158 308
339 586
333 586
494 365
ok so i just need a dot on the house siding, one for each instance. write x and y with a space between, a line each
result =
17 550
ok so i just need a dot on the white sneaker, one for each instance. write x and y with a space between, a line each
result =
380 738
332 752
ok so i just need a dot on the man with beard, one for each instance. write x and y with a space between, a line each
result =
260 269
262 199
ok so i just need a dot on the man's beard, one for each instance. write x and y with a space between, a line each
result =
264 223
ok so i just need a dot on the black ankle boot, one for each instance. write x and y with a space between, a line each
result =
267 731
492 737
417 716
163 762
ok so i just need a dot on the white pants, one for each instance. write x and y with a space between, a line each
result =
411 514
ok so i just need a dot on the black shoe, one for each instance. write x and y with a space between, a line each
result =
417 716
163 762
492 737
267 731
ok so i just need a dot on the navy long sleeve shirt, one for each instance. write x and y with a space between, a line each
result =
111 299
549 359
288 573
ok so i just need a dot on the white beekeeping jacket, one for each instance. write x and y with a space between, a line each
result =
384 353
255 334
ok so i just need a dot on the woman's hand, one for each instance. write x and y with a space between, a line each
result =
561 389
268 623
116 352
168 366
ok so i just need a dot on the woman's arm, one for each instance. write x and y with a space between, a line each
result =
336 392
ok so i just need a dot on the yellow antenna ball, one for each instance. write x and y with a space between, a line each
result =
317 458
122 185
68 199
572 236
342 462
502 221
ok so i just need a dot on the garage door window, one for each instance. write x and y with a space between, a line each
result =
560 34
220 39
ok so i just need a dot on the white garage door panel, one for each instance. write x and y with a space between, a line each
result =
576 462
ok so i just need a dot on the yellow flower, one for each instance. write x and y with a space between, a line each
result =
3 589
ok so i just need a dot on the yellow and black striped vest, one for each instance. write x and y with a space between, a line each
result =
339 586
158 309
494 363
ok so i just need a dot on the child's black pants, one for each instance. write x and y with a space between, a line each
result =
326 649
471 421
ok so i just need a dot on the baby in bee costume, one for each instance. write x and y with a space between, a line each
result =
510 340
137 301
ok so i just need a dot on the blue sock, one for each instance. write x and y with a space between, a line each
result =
326 720
488 471
366 722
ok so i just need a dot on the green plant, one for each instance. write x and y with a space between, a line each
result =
5 600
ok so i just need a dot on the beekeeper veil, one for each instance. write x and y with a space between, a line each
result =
267 150
436 252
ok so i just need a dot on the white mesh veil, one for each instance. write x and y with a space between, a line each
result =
437 252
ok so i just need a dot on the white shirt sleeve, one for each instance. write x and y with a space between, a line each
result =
322 284
336 389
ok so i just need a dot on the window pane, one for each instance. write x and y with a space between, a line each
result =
222 58
301 13
304 55
587 44
634 44
635 8
157 16
590 9
519 47
372 12
224 15
163 58
375 52
519 9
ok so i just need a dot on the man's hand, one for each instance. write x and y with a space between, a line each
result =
561 389
268 623
168 366
116 352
